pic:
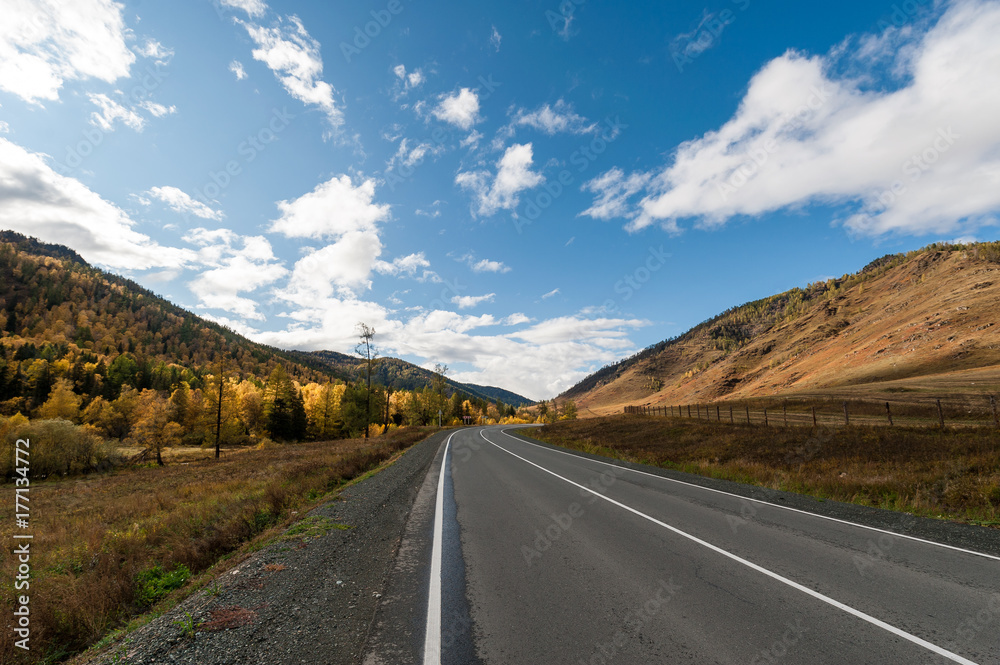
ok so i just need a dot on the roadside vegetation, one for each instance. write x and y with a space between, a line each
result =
110 545
951 474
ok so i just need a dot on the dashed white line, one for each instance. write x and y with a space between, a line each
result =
784 580
761 501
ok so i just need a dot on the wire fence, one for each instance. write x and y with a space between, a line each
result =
950 411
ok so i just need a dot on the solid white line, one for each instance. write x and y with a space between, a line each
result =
761 501
784 580
432 635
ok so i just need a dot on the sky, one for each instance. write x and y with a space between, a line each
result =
524 191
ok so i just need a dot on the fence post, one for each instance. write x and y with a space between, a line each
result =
747 407
731 419
993 405
940 414
814 416
888 413
847 417
689 410
765 417
784 412
718 413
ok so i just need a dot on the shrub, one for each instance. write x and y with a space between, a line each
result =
155 583
57 447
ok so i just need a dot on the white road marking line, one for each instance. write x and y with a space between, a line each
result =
432 635
761 501
784 580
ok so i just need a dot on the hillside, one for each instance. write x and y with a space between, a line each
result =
60 317
921 321
402 375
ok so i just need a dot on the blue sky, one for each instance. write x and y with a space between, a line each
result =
524 191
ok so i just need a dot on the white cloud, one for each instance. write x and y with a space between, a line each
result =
408 80
158 110
408 156
4 127
37 201
180 201
294 57
921 157
234 271
514 175
516 319
613 192
466 302
460 109
553 119
406 265
538 362
44 44
342 268
553 292
255 8
495 39
111 113
334 208
236 67
155 50
471 140
487 265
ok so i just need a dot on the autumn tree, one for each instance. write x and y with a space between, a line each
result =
62 403
154 427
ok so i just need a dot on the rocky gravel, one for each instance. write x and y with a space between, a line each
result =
308 597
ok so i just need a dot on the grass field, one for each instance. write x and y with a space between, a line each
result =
107 547
953 474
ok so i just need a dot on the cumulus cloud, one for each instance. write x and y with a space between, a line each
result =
44 44
294 57
919 154
343 268
404 265
466 302
233 269
555 119
514 175
460 109
486 265
37 201
334 208
180 201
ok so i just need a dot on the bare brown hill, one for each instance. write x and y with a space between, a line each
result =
923 322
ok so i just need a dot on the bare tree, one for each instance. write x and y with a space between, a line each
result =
367 351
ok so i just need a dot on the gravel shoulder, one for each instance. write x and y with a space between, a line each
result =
310 596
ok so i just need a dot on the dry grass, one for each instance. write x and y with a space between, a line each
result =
93 536
953 474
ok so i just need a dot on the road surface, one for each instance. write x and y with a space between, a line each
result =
523 553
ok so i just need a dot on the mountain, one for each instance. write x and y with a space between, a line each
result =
57 308
922 320
403 375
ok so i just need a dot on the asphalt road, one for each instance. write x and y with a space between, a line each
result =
521 553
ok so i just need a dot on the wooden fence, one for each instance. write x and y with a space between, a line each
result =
964 411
